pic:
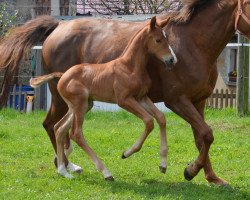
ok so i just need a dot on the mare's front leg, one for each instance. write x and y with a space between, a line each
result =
160 118
131 105
184 108
209 173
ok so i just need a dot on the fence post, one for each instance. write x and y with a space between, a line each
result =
246 78
39 102
216 98
226 99
221 98
242 77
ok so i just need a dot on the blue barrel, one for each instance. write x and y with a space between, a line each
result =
23 88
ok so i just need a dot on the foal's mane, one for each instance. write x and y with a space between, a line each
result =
189 8
132 39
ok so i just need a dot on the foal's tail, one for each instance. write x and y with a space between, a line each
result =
17 44
36 82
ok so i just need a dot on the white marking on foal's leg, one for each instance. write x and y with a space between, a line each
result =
74 168
106 173
63 172
172 52
71 166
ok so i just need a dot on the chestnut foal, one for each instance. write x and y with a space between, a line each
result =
124 81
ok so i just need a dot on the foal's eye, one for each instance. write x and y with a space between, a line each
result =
158 41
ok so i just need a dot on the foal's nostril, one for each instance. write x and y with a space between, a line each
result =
170 61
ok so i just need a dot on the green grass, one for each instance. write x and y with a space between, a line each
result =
27 171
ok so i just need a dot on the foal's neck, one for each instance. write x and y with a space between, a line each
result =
135 55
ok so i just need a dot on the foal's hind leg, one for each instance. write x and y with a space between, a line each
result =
61 129
80 107
131 105
58 109
68 148
160 118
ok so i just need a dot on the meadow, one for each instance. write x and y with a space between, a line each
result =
27 170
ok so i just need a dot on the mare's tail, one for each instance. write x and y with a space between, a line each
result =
36 82
17 44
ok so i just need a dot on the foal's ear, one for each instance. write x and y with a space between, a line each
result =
164 22
246 1
153 23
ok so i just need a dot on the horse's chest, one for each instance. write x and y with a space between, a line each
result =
140 85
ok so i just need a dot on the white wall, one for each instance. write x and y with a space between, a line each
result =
101 106
55 9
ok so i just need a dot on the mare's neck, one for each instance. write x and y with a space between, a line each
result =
135 55
213 27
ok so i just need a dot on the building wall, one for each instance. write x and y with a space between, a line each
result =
226 63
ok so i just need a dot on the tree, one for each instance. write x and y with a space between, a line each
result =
7 18
125 7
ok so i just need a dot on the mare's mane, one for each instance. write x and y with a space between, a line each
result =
188 9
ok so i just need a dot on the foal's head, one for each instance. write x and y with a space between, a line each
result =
158 43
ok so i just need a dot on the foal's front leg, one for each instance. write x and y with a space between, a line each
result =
160 118
131 105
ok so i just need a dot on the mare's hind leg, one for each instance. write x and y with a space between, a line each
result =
61 129
131 105
160 118
209 173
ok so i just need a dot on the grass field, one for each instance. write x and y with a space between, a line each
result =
27 171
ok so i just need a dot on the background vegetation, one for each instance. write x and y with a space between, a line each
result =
7 17
27 171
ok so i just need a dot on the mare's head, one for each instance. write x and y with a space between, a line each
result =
158 43
242 22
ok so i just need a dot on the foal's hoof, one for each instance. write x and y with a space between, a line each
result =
163 169
74 168
123 156
109 178
187 175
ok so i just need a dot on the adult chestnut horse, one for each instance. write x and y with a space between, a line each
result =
197 33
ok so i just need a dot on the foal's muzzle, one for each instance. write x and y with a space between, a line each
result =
170 62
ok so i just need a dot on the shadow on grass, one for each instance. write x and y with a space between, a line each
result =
149 188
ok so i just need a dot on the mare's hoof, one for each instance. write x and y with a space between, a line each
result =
123 156
109 178
187 175
218 181
163 169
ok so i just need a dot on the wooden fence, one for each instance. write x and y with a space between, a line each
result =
222 99
17 97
